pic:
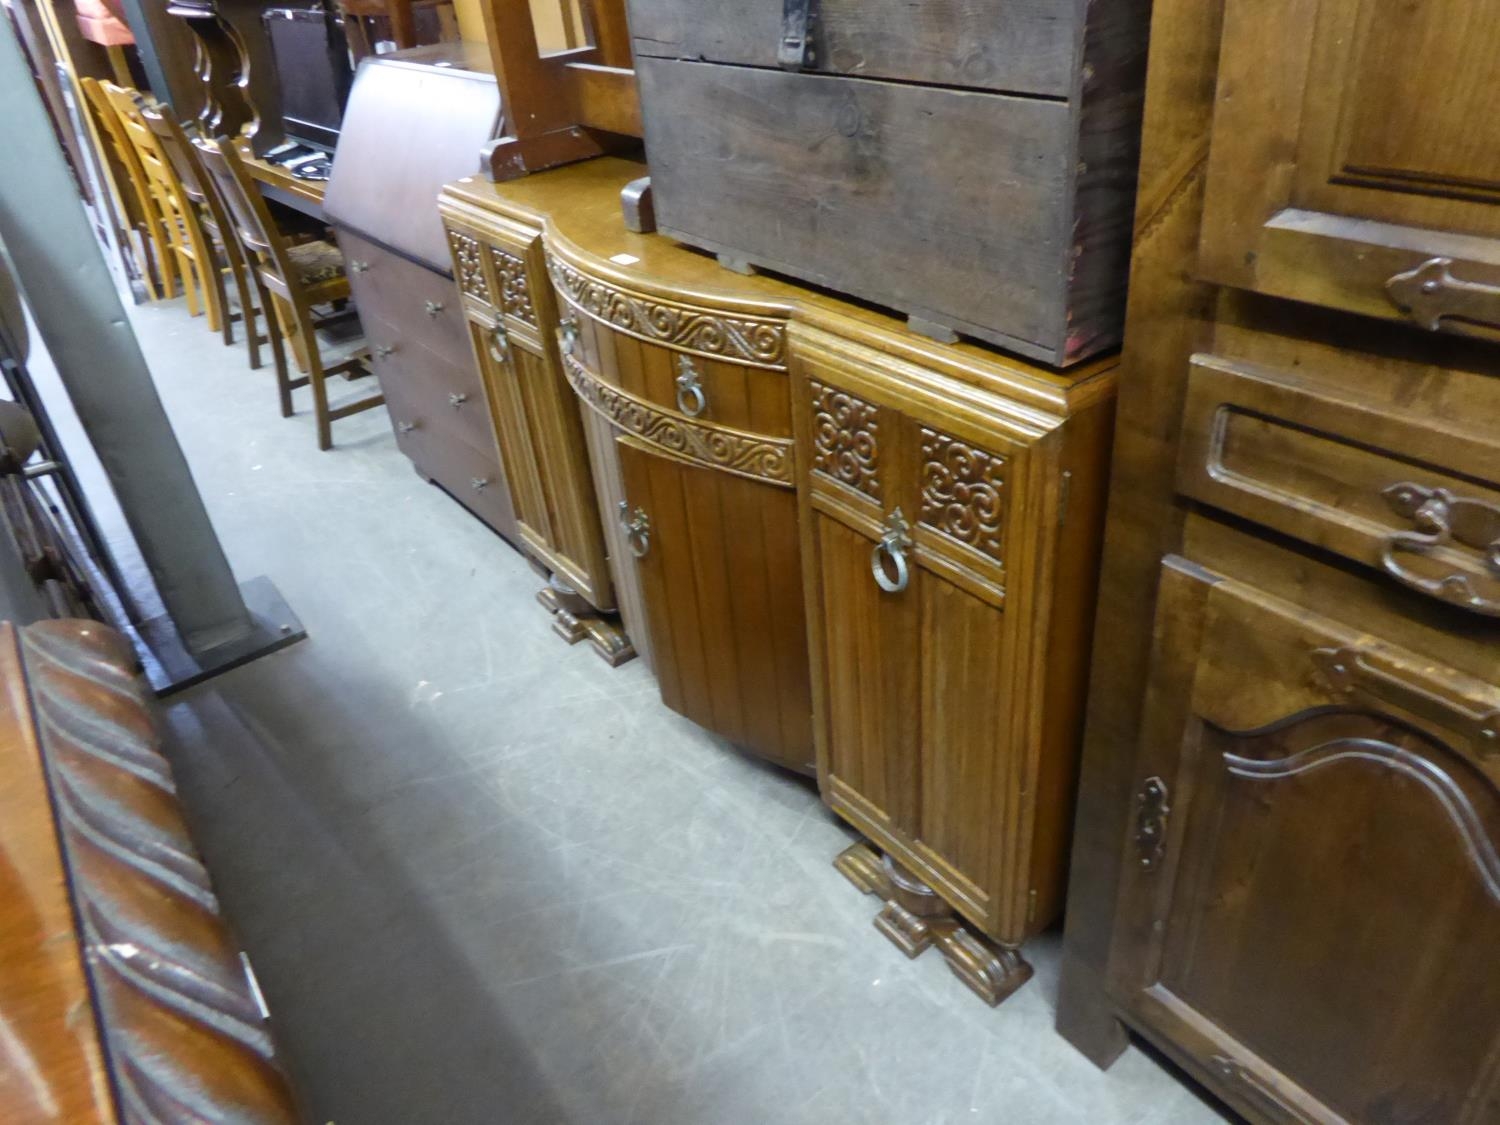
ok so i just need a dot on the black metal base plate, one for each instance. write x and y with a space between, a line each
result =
170 667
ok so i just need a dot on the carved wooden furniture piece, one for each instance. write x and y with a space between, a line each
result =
120 983
415 120
778 469
1286 869
968 164
300 276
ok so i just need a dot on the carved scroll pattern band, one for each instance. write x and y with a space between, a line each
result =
466 256
185 1033
743 339
747 455
963 491
846 439
515 290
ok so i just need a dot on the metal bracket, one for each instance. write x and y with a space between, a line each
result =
799 20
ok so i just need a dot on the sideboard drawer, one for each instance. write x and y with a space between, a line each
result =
1315 463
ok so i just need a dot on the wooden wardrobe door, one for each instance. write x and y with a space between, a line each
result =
720 570
1351 167
1313 896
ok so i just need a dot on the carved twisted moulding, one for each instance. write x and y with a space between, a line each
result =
734 451
846 439
468 257
963 490
515 289
184 1034
914 918
759 341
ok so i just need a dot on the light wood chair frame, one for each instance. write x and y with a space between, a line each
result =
276 276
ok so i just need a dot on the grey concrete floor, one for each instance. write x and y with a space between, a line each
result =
485 878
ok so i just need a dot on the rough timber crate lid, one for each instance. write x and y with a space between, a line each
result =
416 119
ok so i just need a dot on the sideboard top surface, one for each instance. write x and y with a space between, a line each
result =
579 208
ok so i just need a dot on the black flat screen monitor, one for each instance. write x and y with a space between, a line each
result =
312 69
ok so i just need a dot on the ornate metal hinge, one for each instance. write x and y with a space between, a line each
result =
1430 293
1151 812
799 18
1442 519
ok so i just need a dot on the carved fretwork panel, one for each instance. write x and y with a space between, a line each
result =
846 439
468 260
515 288
963 493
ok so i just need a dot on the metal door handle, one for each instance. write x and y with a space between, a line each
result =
356 266
1430 294
1348 672
637 528
499 344
567 335
893 545
434 307
1439 519
456 400
690 397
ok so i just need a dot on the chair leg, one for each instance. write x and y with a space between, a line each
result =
320 400
278 354
248 313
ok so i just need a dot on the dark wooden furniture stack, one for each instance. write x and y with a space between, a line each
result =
125 996
415 120
1286 865
970 164
769 458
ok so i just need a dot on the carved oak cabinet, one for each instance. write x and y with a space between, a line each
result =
1287 864
843 546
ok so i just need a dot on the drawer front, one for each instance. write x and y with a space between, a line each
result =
422 305
1320 464
906 196
424 432
1030 47
443 390
1315 831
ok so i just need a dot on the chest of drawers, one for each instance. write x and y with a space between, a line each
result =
969 164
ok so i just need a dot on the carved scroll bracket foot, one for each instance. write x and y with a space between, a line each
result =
574 620
914 919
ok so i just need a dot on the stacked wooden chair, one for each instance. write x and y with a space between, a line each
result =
300 277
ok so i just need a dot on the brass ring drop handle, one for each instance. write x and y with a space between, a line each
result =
567 335
690 398
1441 519
637 528
499 344
894 545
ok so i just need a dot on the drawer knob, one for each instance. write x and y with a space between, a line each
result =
893 546
499 344
456 400
405 427
1441 519
434 307
479 484
383 350
690 398
637 528
356 266
567 335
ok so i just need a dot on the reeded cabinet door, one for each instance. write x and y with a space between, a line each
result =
721 579
1312 889
1355 157
912 514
